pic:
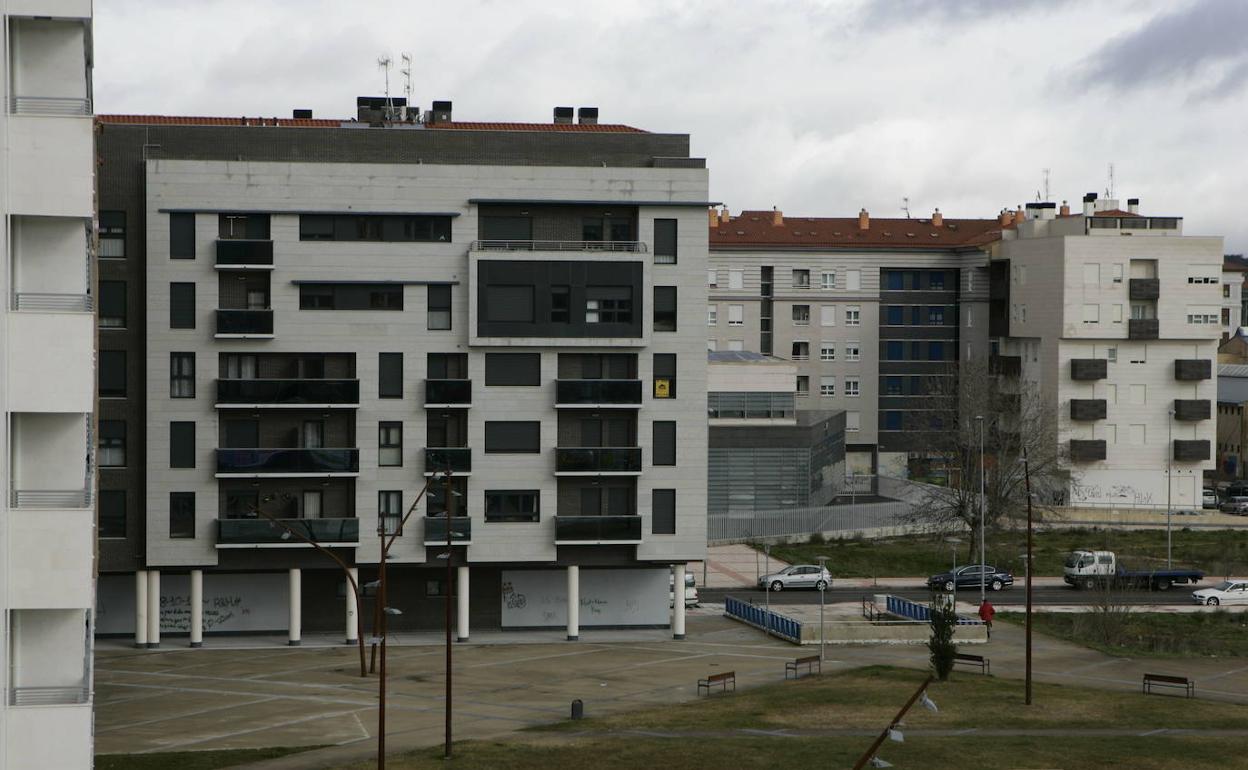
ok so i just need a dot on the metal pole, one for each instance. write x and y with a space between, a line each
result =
381 679
862 762
982 513
450 592
767 589
1030 565
823 560
1169 483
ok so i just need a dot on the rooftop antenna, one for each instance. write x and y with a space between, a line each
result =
1109 191
385 62
905 207
406 72
1045 171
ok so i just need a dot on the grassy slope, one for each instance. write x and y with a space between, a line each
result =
1152 634
192 760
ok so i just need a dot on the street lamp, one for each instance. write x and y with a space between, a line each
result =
979 418
1169 482
823 560
1027 480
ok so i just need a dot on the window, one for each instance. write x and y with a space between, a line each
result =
112 373
853 280
513 368
1091 314
182 236
664 444
1202 274
389 512
935 351
827 351
895 315
853 351
891 420
1111 354
893 386
1115 314
181 306
736 279
513 437
1226 291
181 515
112 310
712 315
439 298
1116 272
852 316
895 350
608 304
712 278
560 304
1022 313
663 512
232 226
803 385
112 513
936 316
512 505
665 375
1091 274
665 308
373 227
801 279
112 235
736 315
851 387
853 421
827 315
390 444
827 386
509 303
181 375
665 241
936 280
181 445
112 444
801 315
1202 315
827 280
390 375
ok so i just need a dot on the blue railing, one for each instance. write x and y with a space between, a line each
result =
895 605
751 614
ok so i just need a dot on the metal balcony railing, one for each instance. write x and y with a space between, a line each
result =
262 531
1143 288
48 696
1089 368
592 393
237 253
1192 409
1088 409
459 459
244 322
53 303
597 530
513 245
50 498
1087 450
598 460
281 462
299 391
435 530
1191 450
50 105
1143 329
448 392
1190 369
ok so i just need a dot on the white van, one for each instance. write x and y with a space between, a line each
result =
691 591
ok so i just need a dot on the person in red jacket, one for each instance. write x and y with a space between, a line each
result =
986 612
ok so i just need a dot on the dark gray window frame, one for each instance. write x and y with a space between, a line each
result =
512 513
112 512
665 242
495 436
513 369
178 376
112 304
665 304
663 512
389 383
178 513
382 444
182 235
182 305
112 372
439 300
663 442
182 444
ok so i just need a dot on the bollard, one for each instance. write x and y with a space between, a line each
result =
578 709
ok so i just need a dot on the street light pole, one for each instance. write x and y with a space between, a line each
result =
450 594
823 560
1027 481
982 500
1169 483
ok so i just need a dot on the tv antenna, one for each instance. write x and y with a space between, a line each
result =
905 207
384 62
1045 171
1109 191
406 72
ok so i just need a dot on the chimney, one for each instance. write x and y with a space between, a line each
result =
724 216
1065 209
563 114
864 220
1004 217
777 217
1089 204
301 114
1019 216
712 217
587 116
1133 205
938 219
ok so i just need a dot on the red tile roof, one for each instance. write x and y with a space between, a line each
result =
185 120
608 128
755 228
1115 213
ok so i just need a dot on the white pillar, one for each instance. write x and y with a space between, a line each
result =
296 607
461 600
140 608
574 603
153 608
678 602
197 608
353 635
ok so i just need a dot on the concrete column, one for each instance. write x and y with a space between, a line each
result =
574 603
140 608
296 607
197 608
153 608
678 603
353 635
461 601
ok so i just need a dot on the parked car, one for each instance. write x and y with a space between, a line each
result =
797 576
969 577
1237 504
1227 592
1208 498
691 591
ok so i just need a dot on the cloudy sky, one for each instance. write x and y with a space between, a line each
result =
818 107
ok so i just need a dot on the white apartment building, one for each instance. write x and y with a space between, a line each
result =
1233 271
47 362
1113 317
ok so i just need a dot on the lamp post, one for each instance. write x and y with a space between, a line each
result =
823 560
1027 481
767 587
1169 483
954 542
979 418
450 594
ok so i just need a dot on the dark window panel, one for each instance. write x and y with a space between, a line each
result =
665 442
181 514
112 373
509 304
665 241
112 513
512 505
390 375
372 227
663 512
522 437
665 308
181 445
112 309
181 306
362 296
513 368
182 375
439 308
182 236
665 375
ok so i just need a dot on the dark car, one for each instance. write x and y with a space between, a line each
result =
969 577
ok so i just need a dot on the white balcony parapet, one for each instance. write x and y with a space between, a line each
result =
55 303
510 245
48 696
51 498
60 106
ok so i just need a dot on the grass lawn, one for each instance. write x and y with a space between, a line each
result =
1217 552
192 760
867 699
1155 634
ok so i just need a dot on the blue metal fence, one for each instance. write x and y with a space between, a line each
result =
895 605
751 614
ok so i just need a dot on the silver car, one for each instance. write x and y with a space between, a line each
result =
797 576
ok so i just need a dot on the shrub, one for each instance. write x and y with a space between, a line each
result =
816 538
943 619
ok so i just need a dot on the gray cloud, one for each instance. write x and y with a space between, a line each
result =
894 11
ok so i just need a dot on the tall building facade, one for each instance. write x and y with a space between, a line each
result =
47 344
309 319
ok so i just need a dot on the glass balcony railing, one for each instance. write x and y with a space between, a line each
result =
238 253
245 322
261 531
598 460
280 462
448 392
288 392
546 245
571 530
458 459
590 393
435 530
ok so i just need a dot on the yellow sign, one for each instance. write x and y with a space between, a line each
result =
662 388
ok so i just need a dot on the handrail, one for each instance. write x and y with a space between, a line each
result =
50 105
51 498
544 245
48 696
47 301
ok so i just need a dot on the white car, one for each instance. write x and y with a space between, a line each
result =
1208 498
691 591
1234 591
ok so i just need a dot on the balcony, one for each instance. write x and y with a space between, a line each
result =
254 463
244 255
435 530
1089 368
448 393
247 394
597 530
42 302
458 459
509 245
598 461
1191 409
50 498
1191 369
245 324
261 533
56 106
1087 450
1143 329
1088 409
1006 366
1143 288
49 696
595 394
1191 450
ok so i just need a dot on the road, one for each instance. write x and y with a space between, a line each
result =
1053 595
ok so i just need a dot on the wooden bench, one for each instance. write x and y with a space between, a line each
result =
812 663
722 679
1163 680
974 660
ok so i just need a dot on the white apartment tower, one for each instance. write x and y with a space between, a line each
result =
47 343
1113 318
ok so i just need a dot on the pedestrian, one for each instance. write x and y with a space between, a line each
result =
985 614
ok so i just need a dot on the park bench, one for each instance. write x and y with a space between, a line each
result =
722 679
974 660
812 663
1163 680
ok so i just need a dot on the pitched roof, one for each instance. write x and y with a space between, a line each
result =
188 120
755 228
1115 213
1234 263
